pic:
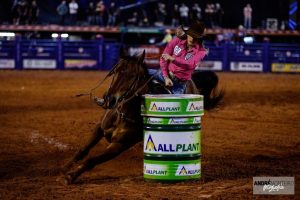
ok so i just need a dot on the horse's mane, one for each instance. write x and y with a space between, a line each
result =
135 57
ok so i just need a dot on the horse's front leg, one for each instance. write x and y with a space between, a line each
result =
83 152
113 150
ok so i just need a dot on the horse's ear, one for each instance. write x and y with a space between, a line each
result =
142 57
123 52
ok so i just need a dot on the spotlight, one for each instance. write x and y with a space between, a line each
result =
7 34
54 35
64 35
248 40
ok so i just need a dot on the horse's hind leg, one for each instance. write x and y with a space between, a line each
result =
113 150
83 152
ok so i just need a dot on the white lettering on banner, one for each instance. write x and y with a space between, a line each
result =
7 63
209 65
153 120
178 120
39 64
164 107
188 170
152 169
246 66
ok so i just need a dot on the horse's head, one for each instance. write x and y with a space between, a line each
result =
129 74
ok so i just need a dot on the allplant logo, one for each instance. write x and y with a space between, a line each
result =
164 107
188 170
183 171
178 121
155 170
195 106
150 144
162 147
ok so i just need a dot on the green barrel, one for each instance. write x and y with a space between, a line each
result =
172 137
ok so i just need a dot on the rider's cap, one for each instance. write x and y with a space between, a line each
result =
196 30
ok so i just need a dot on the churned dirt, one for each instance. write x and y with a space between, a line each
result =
255 133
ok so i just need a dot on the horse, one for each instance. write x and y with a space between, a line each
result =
122 124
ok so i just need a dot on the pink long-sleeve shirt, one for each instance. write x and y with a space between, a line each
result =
185 61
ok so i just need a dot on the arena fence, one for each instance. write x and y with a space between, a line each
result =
98 54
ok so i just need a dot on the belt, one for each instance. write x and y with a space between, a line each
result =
174 78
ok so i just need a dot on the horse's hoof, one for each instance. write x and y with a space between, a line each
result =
68 180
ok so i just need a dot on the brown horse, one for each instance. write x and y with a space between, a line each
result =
122 123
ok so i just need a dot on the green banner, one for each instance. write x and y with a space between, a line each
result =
172 170
172 120
172 105
172 143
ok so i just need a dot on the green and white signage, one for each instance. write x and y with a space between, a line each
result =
172 170
172 120
172 105
166 143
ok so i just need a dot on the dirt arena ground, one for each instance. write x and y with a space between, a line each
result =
255 133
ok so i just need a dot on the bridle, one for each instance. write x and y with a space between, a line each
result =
125 97
132 91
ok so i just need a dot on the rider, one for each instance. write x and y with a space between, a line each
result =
180 58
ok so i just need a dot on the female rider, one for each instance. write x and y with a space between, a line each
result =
180 58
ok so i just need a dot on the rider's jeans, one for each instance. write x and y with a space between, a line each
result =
177 88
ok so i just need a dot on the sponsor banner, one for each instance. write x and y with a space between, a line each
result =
172 170
286 67
39 63
274 185
246 66
153 53
172 143
172 105
172 120
155 169
80 63
210 65
7 64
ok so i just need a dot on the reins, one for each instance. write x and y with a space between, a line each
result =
111 72
124 98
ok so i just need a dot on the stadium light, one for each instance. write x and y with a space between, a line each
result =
248 40
54 35
7 34
64 35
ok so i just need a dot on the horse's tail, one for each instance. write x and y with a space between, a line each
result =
207 83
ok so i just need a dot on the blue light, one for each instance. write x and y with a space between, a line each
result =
293 10
294 4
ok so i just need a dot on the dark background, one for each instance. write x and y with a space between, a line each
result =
262 9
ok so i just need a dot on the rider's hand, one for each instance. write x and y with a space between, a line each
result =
167 57
168 82
99 101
